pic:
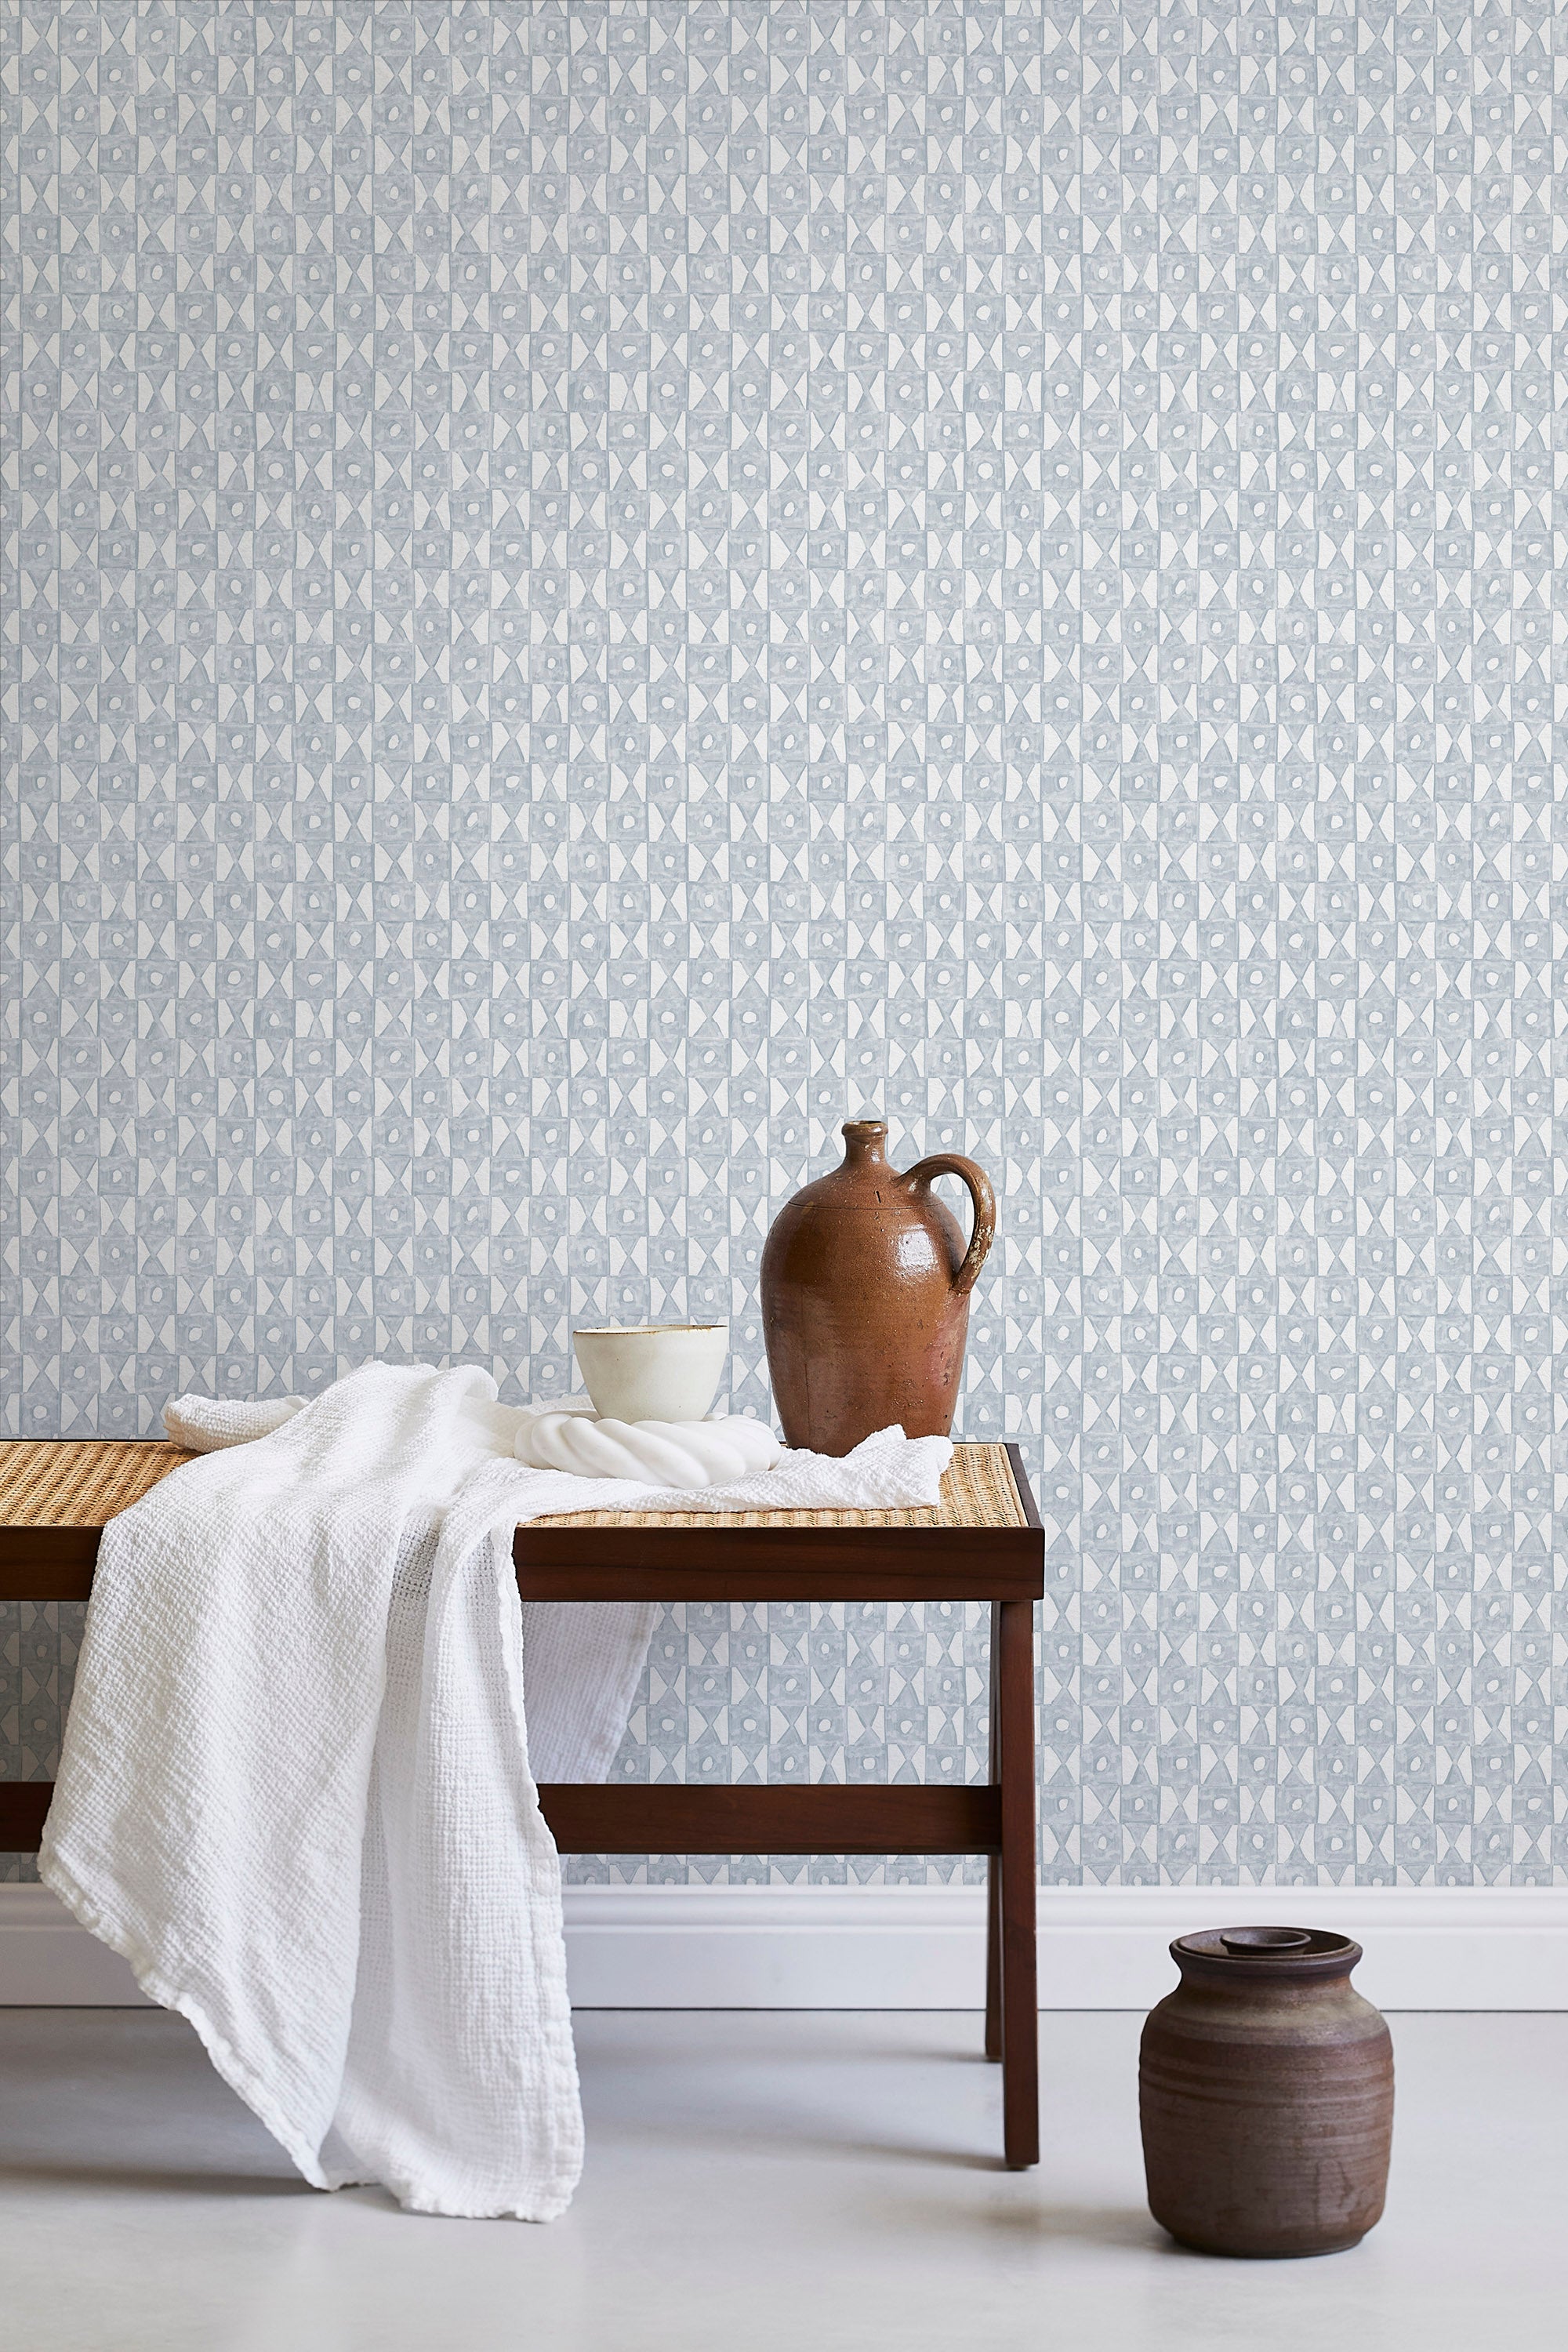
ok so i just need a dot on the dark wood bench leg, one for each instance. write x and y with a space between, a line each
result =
994 1876
1013 1673
993 1958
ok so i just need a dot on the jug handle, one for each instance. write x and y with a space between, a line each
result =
949 1163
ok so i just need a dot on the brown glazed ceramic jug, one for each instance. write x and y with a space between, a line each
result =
1265 2091
865 1284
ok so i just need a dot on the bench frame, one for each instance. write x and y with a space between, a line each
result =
1002 1565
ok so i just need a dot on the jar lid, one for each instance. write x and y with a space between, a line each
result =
1266 1952
1265 1939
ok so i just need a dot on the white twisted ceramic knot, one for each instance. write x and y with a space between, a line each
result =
671 1452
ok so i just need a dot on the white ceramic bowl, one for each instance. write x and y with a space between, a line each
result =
657 1371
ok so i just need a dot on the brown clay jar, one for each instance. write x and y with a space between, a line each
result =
1266 2092
865 1284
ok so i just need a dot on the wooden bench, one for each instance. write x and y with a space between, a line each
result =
983 1542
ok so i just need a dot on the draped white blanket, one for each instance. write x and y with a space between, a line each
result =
296 1790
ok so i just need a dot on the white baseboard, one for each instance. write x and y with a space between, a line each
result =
922 1947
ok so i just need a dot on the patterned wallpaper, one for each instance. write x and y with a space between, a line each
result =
591 589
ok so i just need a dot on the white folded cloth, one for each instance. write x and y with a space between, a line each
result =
587 1656
567 1436
296 1790
205 1424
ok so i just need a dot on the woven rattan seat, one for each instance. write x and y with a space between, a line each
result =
84 1482
77 1482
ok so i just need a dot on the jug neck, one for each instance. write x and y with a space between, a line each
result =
865 1141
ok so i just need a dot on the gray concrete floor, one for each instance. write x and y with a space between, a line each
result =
824 2183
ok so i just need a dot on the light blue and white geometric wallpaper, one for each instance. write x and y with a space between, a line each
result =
590 590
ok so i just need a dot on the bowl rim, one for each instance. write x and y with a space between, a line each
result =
639 1330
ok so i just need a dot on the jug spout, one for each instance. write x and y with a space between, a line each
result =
865 1142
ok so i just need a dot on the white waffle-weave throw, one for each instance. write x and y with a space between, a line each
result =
296 1788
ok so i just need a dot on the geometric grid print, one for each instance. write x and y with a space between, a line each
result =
589 590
